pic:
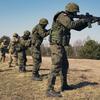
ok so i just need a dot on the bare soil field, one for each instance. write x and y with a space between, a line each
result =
84 76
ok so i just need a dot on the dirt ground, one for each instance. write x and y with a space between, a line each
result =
84 76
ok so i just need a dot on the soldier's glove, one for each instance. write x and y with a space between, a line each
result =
94 20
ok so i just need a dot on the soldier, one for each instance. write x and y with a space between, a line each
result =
3 50
38 34
63 22
21 48
12 50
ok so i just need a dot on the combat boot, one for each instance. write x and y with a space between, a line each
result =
20 69
53 93
36 77
66 87
9 65
23 69
37 74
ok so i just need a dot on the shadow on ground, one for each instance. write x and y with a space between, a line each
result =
83 84
76 70
40 69
5 70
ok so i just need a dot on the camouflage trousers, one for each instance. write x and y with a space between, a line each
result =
60 65
2 57
36 55
22 59
13 59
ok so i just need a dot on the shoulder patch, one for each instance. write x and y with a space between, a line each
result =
65 14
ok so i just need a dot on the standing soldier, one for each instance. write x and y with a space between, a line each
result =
63 22
21 48
38 34
3 50
12 50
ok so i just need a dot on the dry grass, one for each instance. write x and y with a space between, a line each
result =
84 75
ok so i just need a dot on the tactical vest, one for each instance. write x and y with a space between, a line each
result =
59 34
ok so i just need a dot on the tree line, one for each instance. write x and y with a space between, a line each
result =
88 49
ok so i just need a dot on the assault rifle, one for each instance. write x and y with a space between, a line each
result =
91 19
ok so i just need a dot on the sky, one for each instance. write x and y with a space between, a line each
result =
20 15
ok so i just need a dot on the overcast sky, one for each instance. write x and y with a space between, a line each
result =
20 15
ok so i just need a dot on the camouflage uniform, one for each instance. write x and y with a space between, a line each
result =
12 50
21 48
38 34
59 40
3 50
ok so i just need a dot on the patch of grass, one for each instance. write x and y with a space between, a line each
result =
19 86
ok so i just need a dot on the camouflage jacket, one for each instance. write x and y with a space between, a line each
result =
38 34
61 27
23 44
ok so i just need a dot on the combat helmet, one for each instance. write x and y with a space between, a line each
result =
26 33
15 35
43 21
72 7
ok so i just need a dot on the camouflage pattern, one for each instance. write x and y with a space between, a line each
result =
3 50
13 56
43 21
72 7
38 34
59 40
15 35
21 48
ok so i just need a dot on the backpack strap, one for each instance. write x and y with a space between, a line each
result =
56 15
